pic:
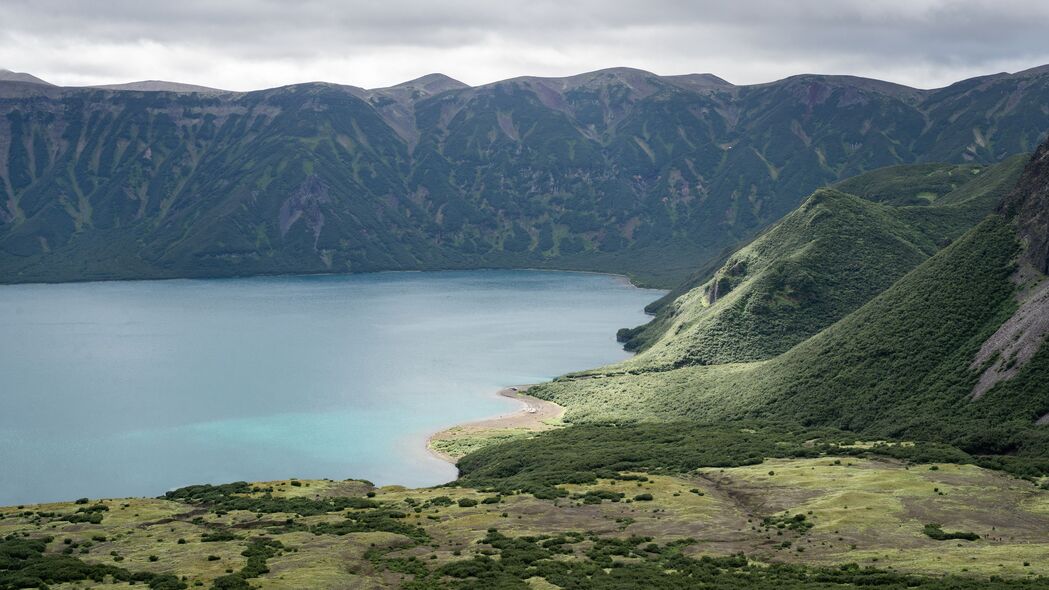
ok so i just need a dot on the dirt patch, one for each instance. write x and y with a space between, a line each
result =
756 499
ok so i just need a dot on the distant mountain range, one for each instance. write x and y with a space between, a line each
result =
616 170
142 86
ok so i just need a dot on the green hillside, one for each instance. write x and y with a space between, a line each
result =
904 365
617 170
821 262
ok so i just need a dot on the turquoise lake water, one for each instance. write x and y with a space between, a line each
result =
133 388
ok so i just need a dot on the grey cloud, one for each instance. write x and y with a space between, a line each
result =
253 43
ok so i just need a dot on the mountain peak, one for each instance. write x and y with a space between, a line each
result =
9 76
432 84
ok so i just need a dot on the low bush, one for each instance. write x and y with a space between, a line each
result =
935 531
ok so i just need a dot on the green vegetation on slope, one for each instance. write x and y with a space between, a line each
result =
618 170
897 367
24 564
575 561
917 184
818 264
821 262
587 452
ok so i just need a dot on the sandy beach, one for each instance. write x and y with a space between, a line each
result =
536 415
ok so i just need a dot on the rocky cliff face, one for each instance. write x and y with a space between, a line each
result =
1028 204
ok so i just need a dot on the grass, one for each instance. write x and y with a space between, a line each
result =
882 507
460 444
879 506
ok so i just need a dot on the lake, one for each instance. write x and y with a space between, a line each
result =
134 388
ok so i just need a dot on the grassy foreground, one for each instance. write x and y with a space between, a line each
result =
847 514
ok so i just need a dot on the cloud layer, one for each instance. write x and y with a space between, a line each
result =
250 44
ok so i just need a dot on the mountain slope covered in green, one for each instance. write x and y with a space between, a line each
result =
821 262
617 170
953 351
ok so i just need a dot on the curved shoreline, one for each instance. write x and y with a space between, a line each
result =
536 415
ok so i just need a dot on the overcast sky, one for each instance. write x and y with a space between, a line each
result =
250 44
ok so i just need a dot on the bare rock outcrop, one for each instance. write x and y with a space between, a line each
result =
1018 339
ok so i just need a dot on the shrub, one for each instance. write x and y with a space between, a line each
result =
441 501
935 531
218 536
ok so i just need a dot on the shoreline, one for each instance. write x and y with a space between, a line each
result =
536 415
628 278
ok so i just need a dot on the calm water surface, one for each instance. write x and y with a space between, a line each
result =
134 388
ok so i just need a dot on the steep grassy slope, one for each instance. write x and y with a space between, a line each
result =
616 170
824 260
898 366
902 365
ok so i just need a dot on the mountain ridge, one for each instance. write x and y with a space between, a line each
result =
617 170
688 80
